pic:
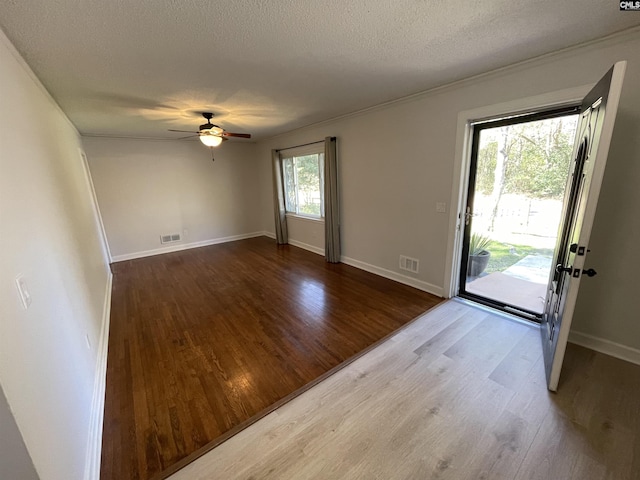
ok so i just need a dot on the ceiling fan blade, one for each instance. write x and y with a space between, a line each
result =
182 131
240 135
188 136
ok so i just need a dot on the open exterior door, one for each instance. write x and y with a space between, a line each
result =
593 137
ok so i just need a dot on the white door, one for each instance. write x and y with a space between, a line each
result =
593 137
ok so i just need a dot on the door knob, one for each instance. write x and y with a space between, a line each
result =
590 273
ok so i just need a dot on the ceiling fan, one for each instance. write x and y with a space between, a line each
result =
212 135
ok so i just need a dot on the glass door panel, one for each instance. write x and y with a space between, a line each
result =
517 181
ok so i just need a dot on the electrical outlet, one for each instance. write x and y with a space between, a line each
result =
25 296
441 207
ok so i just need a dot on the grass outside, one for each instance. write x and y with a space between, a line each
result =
504 255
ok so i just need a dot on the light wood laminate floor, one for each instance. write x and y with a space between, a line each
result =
458 394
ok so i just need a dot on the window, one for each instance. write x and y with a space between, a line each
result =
303 175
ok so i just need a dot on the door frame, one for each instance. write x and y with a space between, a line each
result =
460 186
97 215
476 130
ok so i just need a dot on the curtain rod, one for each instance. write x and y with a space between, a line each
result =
303 145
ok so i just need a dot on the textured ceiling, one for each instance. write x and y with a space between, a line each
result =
264 67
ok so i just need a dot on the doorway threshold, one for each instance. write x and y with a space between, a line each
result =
504 289
497 311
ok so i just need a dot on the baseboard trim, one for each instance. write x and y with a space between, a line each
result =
269 234
607 347
94 443
383 272
367 267
306 246
185 246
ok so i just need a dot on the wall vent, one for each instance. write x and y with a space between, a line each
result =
172 237
409 264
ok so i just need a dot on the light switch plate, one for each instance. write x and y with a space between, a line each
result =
25 296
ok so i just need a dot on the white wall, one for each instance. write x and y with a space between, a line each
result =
397 161
49 235
306 233
147 188
15 462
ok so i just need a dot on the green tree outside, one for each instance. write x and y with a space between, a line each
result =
536 158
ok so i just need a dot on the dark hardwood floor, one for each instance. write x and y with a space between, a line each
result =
203 342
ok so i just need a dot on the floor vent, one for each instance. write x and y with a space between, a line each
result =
409 264
174 237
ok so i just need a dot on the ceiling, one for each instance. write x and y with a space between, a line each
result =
265 67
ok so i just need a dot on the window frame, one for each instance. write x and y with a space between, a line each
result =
292 155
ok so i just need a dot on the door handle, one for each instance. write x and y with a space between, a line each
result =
589 273
560 269
467 215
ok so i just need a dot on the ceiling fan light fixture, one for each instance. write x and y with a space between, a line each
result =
210 140
211 135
